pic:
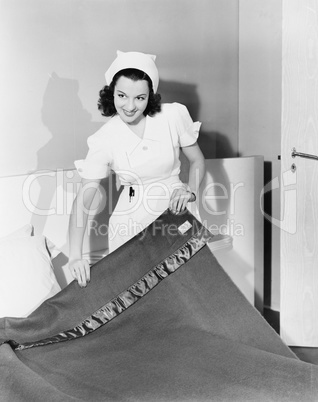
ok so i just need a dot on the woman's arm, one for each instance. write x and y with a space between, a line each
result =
197 166
180 197
78 267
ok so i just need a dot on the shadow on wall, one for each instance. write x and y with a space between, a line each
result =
212 143
66 119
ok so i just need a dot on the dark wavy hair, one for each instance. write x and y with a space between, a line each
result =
106 95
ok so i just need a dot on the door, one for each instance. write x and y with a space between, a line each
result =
299 180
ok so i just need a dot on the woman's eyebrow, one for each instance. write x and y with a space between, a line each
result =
118 90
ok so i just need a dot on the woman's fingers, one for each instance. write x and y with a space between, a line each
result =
179 200
87 270
80 271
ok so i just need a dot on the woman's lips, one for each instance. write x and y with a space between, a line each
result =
129 113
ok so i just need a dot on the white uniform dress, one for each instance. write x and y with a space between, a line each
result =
148 166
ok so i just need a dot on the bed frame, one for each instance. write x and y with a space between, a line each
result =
229 202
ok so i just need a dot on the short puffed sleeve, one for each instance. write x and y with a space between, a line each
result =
98 161
188 131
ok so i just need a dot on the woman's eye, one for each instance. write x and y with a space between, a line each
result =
120 95
140 99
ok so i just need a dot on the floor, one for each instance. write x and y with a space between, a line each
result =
309 355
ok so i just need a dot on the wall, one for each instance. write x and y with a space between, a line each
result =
260 70
55 54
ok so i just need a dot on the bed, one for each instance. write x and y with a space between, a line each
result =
159 321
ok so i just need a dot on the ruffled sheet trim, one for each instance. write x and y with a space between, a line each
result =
127 298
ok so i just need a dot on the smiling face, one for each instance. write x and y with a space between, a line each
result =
131 99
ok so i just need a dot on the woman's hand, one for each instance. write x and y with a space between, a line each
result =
80 271
179 199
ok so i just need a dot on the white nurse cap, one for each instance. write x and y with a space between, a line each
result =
141 61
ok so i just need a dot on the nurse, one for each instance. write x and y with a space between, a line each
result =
141 143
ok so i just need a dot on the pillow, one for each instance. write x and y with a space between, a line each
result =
26 273
25 231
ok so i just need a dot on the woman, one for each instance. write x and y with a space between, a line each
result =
141 144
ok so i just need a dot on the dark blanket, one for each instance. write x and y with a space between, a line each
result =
160 321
